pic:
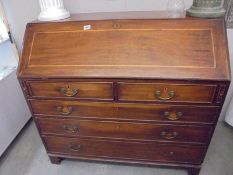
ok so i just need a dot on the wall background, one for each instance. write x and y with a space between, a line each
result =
6 52
20 12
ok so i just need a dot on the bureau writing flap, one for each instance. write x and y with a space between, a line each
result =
173 49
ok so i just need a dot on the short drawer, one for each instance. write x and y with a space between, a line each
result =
190 93
125 150
77 90
125 111
125 130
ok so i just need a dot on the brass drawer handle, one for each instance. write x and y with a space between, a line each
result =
75 148
165 95
173 115
169 135
65 110
68 92
71 129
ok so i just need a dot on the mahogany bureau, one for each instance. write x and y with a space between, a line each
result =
109 87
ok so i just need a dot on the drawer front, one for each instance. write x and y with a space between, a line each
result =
169 113
149 112
125 130
72 108
166 92
125 150
77 90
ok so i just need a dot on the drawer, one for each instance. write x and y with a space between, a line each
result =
125 150
148 112
72 108
168 113
125 130
76 90
190 93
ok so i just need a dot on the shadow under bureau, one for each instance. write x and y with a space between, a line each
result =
140 91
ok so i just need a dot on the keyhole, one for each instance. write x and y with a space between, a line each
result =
117 126
171 153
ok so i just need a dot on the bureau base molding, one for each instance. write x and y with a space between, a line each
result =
191 169
140 91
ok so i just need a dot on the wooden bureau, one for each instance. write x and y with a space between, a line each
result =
126 87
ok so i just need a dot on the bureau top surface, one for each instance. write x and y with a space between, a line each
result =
126 45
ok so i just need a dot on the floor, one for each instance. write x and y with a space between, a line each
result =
27 156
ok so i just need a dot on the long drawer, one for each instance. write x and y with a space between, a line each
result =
125 130
125 150
190 93
71 89
149 112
